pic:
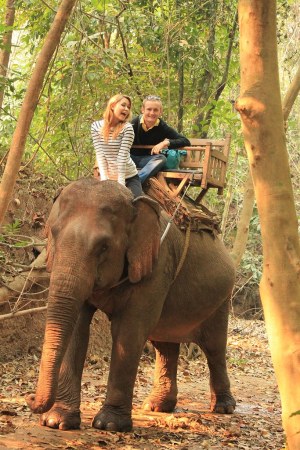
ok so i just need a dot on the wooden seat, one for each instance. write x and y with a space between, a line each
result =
204 166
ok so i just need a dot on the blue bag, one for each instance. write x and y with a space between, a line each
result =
173 158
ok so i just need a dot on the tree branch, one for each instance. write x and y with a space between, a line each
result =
291 95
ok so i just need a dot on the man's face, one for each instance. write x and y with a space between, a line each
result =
151 111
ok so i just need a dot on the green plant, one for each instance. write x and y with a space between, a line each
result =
12 228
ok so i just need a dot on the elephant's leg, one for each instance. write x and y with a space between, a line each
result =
130 329
65 413
213 341
115 414
163 397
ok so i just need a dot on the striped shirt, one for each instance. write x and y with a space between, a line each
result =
113 157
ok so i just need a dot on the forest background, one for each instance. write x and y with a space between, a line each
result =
185 52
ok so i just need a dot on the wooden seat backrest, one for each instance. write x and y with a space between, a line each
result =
210 156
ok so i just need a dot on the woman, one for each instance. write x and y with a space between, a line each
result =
112 139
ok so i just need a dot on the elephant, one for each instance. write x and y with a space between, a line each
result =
105 252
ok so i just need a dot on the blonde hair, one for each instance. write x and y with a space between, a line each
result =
151 98
109 114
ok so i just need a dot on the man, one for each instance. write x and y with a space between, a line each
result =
150 129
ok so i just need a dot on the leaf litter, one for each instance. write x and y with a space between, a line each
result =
256 423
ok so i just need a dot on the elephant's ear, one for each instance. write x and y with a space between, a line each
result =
48 234
144 241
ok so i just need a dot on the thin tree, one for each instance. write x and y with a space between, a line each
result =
263 127
29 104
242 231
291 96
6 42
208 82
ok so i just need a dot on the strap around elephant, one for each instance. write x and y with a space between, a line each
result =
185 249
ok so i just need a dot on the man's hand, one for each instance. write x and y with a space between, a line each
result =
159 147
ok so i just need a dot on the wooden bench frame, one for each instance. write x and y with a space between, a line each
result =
204 165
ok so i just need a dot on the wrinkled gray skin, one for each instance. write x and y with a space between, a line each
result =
97 235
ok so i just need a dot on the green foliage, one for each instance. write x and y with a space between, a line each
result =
91 65
12 228
252 267
238 362
135 47
11 238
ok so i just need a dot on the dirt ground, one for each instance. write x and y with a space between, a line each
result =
256 423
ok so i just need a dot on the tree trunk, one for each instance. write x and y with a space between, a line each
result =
30 103
5 51
263 129
228 196
220 87
205 88
249 197
243 224
180 91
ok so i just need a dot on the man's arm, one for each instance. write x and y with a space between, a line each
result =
176 139
170 139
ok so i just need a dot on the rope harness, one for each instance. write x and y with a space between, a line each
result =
187 234
199 219
185 249
185 220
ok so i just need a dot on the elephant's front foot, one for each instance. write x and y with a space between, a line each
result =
223 403
113 418
159 401
61 417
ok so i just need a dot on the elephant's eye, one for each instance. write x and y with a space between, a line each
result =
104 248
101 245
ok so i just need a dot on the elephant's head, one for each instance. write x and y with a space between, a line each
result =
96 231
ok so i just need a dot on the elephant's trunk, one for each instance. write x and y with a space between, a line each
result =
66 297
